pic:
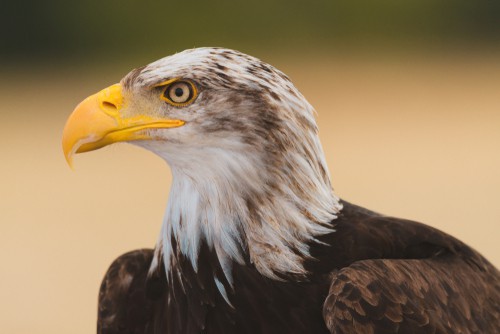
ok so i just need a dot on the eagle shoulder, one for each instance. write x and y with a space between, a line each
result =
124 302
399 276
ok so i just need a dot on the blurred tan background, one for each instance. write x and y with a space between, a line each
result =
408 101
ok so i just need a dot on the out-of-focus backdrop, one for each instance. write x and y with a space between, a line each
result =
408 101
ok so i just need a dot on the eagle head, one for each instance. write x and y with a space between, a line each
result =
249 175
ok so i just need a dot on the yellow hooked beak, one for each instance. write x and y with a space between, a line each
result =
97 122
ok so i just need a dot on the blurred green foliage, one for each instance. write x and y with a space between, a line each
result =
95 28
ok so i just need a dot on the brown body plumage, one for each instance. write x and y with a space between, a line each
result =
374 274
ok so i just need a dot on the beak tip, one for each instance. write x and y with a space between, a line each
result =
69 160
70 163
69 151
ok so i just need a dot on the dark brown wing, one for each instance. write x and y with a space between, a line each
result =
392 275
443 294
124 305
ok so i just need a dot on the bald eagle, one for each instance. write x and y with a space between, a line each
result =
254 239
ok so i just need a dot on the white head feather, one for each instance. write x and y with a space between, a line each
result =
249 173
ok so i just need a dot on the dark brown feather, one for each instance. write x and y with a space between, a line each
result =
125 304
439 295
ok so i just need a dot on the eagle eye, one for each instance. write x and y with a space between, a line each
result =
179 93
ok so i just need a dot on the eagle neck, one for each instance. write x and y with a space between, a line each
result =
245 212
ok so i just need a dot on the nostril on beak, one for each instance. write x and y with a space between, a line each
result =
109 105
110 99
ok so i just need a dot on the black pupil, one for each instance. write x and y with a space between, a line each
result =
179 92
